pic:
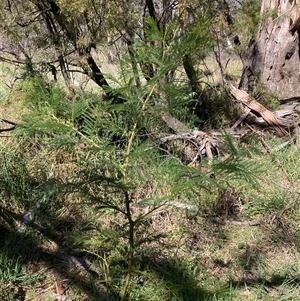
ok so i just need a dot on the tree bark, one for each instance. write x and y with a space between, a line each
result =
71 32
273 57
191 73
54 35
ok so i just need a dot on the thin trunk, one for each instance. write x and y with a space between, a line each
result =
149 10
132 59
64 71
191 73
87 62
57 44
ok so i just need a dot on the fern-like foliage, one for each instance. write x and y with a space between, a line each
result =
113 155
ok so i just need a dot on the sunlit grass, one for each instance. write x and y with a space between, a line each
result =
180 254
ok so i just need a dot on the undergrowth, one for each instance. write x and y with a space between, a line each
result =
86 177
179 254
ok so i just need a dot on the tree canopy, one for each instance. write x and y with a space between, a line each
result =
69 35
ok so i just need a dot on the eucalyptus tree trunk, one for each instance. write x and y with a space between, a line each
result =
273 57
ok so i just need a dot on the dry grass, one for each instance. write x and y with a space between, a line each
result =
232 69
258 262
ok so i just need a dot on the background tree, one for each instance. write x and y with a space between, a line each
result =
73 34
97 177
273 54
64 38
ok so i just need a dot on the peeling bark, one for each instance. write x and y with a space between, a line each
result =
274 56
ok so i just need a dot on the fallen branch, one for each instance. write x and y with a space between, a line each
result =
242 118
81 264
292 140
197 144
217 220
252 104
176 125
8 122
287 115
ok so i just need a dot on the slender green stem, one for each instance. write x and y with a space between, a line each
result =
127 201
134 131
73 128
131 248
131 222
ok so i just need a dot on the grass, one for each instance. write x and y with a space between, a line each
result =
257 263
14 262
180 254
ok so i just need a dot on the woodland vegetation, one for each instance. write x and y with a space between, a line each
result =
149 150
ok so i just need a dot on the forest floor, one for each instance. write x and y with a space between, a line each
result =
243 240
236 239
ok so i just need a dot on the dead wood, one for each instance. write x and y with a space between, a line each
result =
242 118
293 140
176 125
258 108
287 115
14 124
217 220
194 146
81 264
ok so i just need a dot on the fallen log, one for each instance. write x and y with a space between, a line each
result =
287 115
247 100
194 146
